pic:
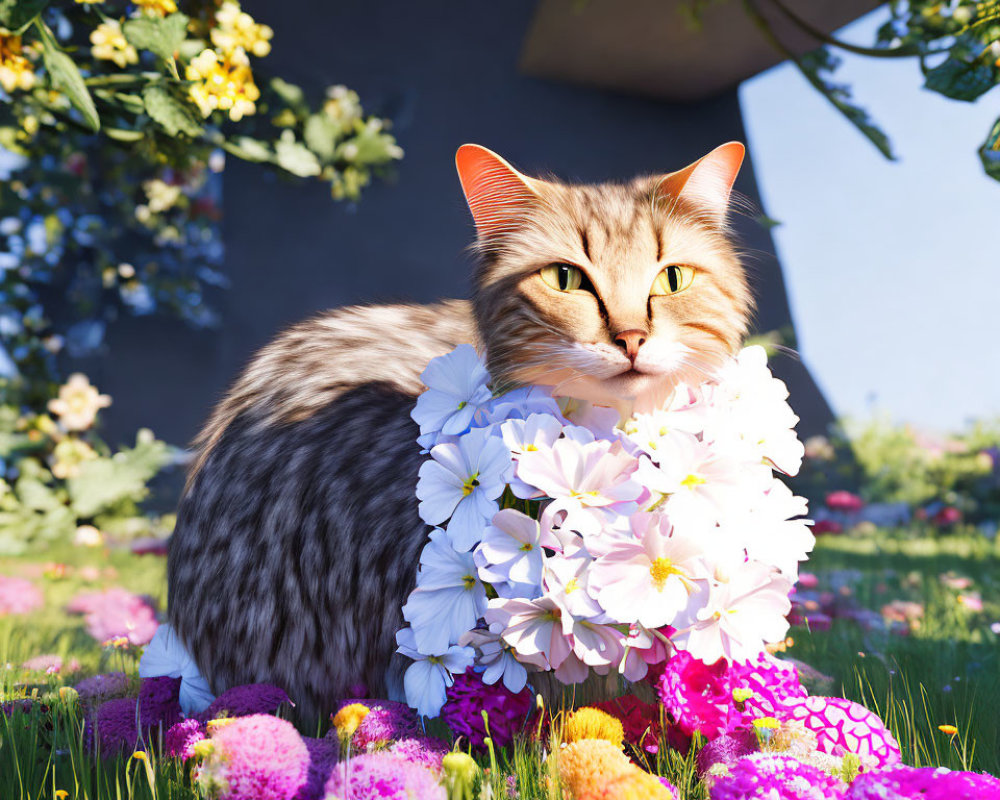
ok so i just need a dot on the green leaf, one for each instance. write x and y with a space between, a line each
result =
159 35
16 15
105 482
321 134
989 153
248 149
124 135
67 78
296 158
960 80
174 115
813 65
291 94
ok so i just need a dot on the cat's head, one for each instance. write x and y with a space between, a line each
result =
610 292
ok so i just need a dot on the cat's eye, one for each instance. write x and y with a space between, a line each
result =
672 279
564 277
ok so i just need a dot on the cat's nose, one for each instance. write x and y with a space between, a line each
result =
630 342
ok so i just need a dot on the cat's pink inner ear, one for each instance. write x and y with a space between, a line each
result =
497 193
708 182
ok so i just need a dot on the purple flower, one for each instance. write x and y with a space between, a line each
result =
180 739
322 758
116 728
102 687
114 613
774 776
259 757
383 776
159 702
468 697
727 749
242 701
19 596
922 782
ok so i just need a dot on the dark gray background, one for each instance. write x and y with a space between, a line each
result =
446 73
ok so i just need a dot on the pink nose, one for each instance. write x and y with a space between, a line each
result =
630 342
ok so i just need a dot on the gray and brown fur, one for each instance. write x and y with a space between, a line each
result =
298 539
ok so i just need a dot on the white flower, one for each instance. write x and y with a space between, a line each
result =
733 618
773 532
511 553
528 435
655 433
533 628
566 583
427 678
78 403
496 659
449 598
599 420
649 578
580 476
462 482
456 390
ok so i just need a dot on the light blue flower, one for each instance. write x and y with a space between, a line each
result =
456 390
428 677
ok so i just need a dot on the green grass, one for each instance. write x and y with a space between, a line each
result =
947 671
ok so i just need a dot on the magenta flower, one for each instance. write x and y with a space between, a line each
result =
427 751
922 782
19 596
115 613
384 722
259 757
774 776
468 697
383 776
180 739
842 500
843 726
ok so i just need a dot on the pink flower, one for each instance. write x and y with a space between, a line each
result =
50 664
19 596
468 697
116 613
949 515
383 776
843 500
766 775
826 526
843 726
923 782
180 739
260 757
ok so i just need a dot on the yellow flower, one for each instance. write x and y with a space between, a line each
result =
766 723
346 720
139 755
68 455
223 83
62 794
741 695
158 7
15 70
203 748
589 763
592 723
110 44
162 197
951 730
78 403
237 29
217 724
68 694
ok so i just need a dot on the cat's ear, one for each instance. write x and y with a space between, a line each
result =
497 193
708 181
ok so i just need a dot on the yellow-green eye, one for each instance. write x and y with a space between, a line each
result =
673 279
562 277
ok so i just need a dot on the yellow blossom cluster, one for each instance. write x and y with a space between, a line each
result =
235 29
16 71
224 83
347 720
592 723
159 8
596 769
110 44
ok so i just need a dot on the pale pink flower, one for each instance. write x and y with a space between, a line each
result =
533 628
648 579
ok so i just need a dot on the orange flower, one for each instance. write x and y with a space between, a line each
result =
586 765
951 730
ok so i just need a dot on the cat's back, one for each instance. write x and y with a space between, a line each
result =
298 533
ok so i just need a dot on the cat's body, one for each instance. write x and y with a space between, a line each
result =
298 539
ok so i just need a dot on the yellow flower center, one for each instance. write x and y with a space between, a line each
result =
530 448
470 484
660 569
469 581
572 586
692 480
527 547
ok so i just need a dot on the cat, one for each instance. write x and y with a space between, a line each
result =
297 537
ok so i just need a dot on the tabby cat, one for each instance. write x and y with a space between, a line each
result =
298 539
